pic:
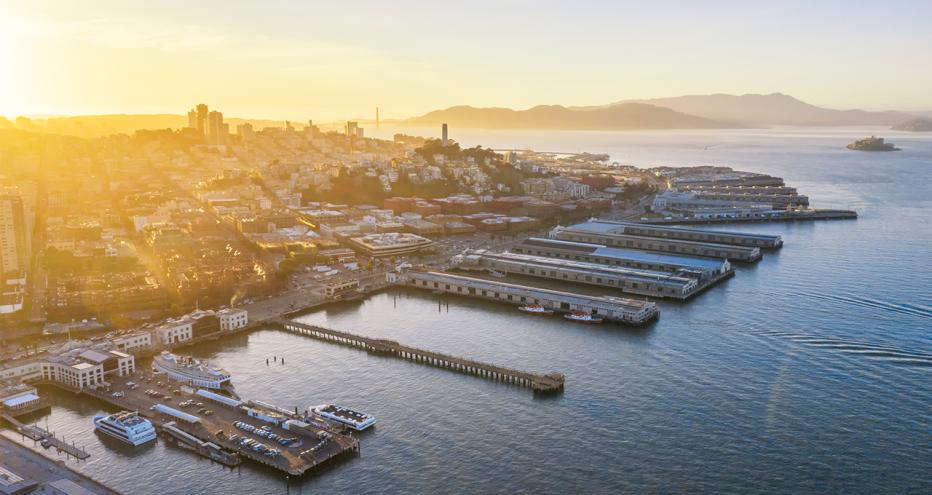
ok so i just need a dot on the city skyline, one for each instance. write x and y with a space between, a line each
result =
288 61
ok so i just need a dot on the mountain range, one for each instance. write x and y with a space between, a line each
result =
716 111
683 112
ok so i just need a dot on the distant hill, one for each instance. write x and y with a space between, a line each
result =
914 125
623 116
89 126
772 109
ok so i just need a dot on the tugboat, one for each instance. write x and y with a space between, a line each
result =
583 317
872 144
535 309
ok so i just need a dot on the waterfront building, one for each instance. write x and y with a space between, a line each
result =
175 331
19 398
81 368
390 244
132 341
233 318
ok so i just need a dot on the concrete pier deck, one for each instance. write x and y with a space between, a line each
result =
763 241
550 382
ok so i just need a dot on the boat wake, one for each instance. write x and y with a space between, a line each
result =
887 353
911 309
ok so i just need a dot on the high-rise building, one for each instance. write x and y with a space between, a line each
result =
202 119
192 119
244 130
443 139
14 255
215 134
350 129
376 117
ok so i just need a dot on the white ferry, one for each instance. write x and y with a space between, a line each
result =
535 309
126 426
354 419
191 371
583 317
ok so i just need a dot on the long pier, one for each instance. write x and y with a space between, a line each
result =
617 309
746 239
693 248
550 382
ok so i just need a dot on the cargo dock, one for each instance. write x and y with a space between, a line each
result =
546 383
615 309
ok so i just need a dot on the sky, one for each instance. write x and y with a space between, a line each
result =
327 60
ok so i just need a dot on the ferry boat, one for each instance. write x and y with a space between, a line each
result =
191 371
126 426
535 309
583 317
354 419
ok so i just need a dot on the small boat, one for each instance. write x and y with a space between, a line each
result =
583 317
535 309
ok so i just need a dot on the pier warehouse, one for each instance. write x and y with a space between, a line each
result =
630 280
702 268
602 233
622 310
687 234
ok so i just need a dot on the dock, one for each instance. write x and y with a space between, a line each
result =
212 423
546 383
762 241
606 235
630 280
616 309
46 438
765 216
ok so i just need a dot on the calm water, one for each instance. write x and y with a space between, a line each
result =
809 372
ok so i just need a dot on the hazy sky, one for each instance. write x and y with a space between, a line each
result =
331 60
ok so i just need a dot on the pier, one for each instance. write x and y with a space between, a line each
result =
46 438
701 235
607 237
765 216
616 309
630 280
550 382
211 424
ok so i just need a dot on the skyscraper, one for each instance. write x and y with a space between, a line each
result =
443 139
202 119
14 256
215 128
192 119
351 128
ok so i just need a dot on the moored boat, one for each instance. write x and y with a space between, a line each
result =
354 419
583 317
535 309
126 426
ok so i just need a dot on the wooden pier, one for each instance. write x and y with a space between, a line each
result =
46 438
550 382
